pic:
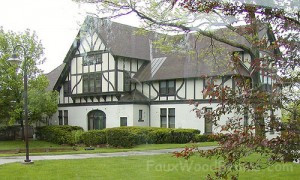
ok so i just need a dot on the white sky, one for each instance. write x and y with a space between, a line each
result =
56 23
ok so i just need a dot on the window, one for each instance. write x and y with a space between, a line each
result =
140 115
96 120
167 87
163 117
92 83
66 117
63 117
60 117
92 58
208 121
127 78
167 117
171 116
67 88
123 121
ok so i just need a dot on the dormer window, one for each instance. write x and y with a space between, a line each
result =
92 58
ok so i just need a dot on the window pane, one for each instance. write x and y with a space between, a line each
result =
92 83
171 87
163 87
163 121
171 122
140 114
163 112
67 88
85 83
66 117
172 112
126 81
171 116
98 83
60 117
208 120
123 121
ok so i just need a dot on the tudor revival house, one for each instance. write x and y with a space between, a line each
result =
113 76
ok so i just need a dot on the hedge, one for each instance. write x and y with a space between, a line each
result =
168 135
94 137
118 136
121 137
57 134
10 132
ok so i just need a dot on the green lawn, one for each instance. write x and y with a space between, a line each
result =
18 144
135 167
6 145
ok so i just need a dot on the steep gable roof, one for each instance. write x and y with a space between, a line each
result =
53 76
211 58
123 40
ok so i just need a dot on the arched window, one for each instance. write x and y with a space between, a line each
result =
96 120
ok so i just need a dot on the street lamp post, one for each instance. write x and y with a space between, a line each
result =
16 60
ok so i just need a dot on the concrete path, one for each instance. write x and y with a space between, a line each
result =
5 160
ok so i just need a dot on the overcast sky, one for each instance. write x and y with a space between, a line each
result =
56 22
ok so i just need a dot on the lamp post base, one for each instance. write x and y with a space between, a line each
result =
28 162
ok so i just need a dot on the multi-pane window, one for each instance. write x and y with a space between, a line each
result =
163 117
96 120
66 117
171 117
167 87
67 88
92 83
92 58
140 115
208 118
167 117
123 121
63 117
60 117
127 78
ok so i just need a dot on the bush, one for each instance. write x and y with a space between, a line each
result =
161 136
142 134
57 134
205 138
94 137
182 136
10 132
77 136
121 137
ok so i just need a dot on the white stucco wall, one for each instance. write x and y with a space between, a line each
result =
184 116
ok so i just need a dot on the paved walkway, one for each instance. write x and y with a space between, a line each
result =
11 159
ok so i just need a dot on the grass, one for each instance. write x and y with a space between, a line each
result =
136 167
19 144
5 145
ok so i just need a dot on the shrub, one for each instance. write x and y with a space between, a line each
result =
121 137
10 132
160 136
57 134
77 136
182 136
141 134
204 138
94 137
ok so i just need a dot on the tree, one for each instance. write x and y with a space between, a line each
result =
274 55
41 103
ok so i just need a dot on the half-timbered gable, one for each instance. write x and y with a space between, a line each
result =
113 76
